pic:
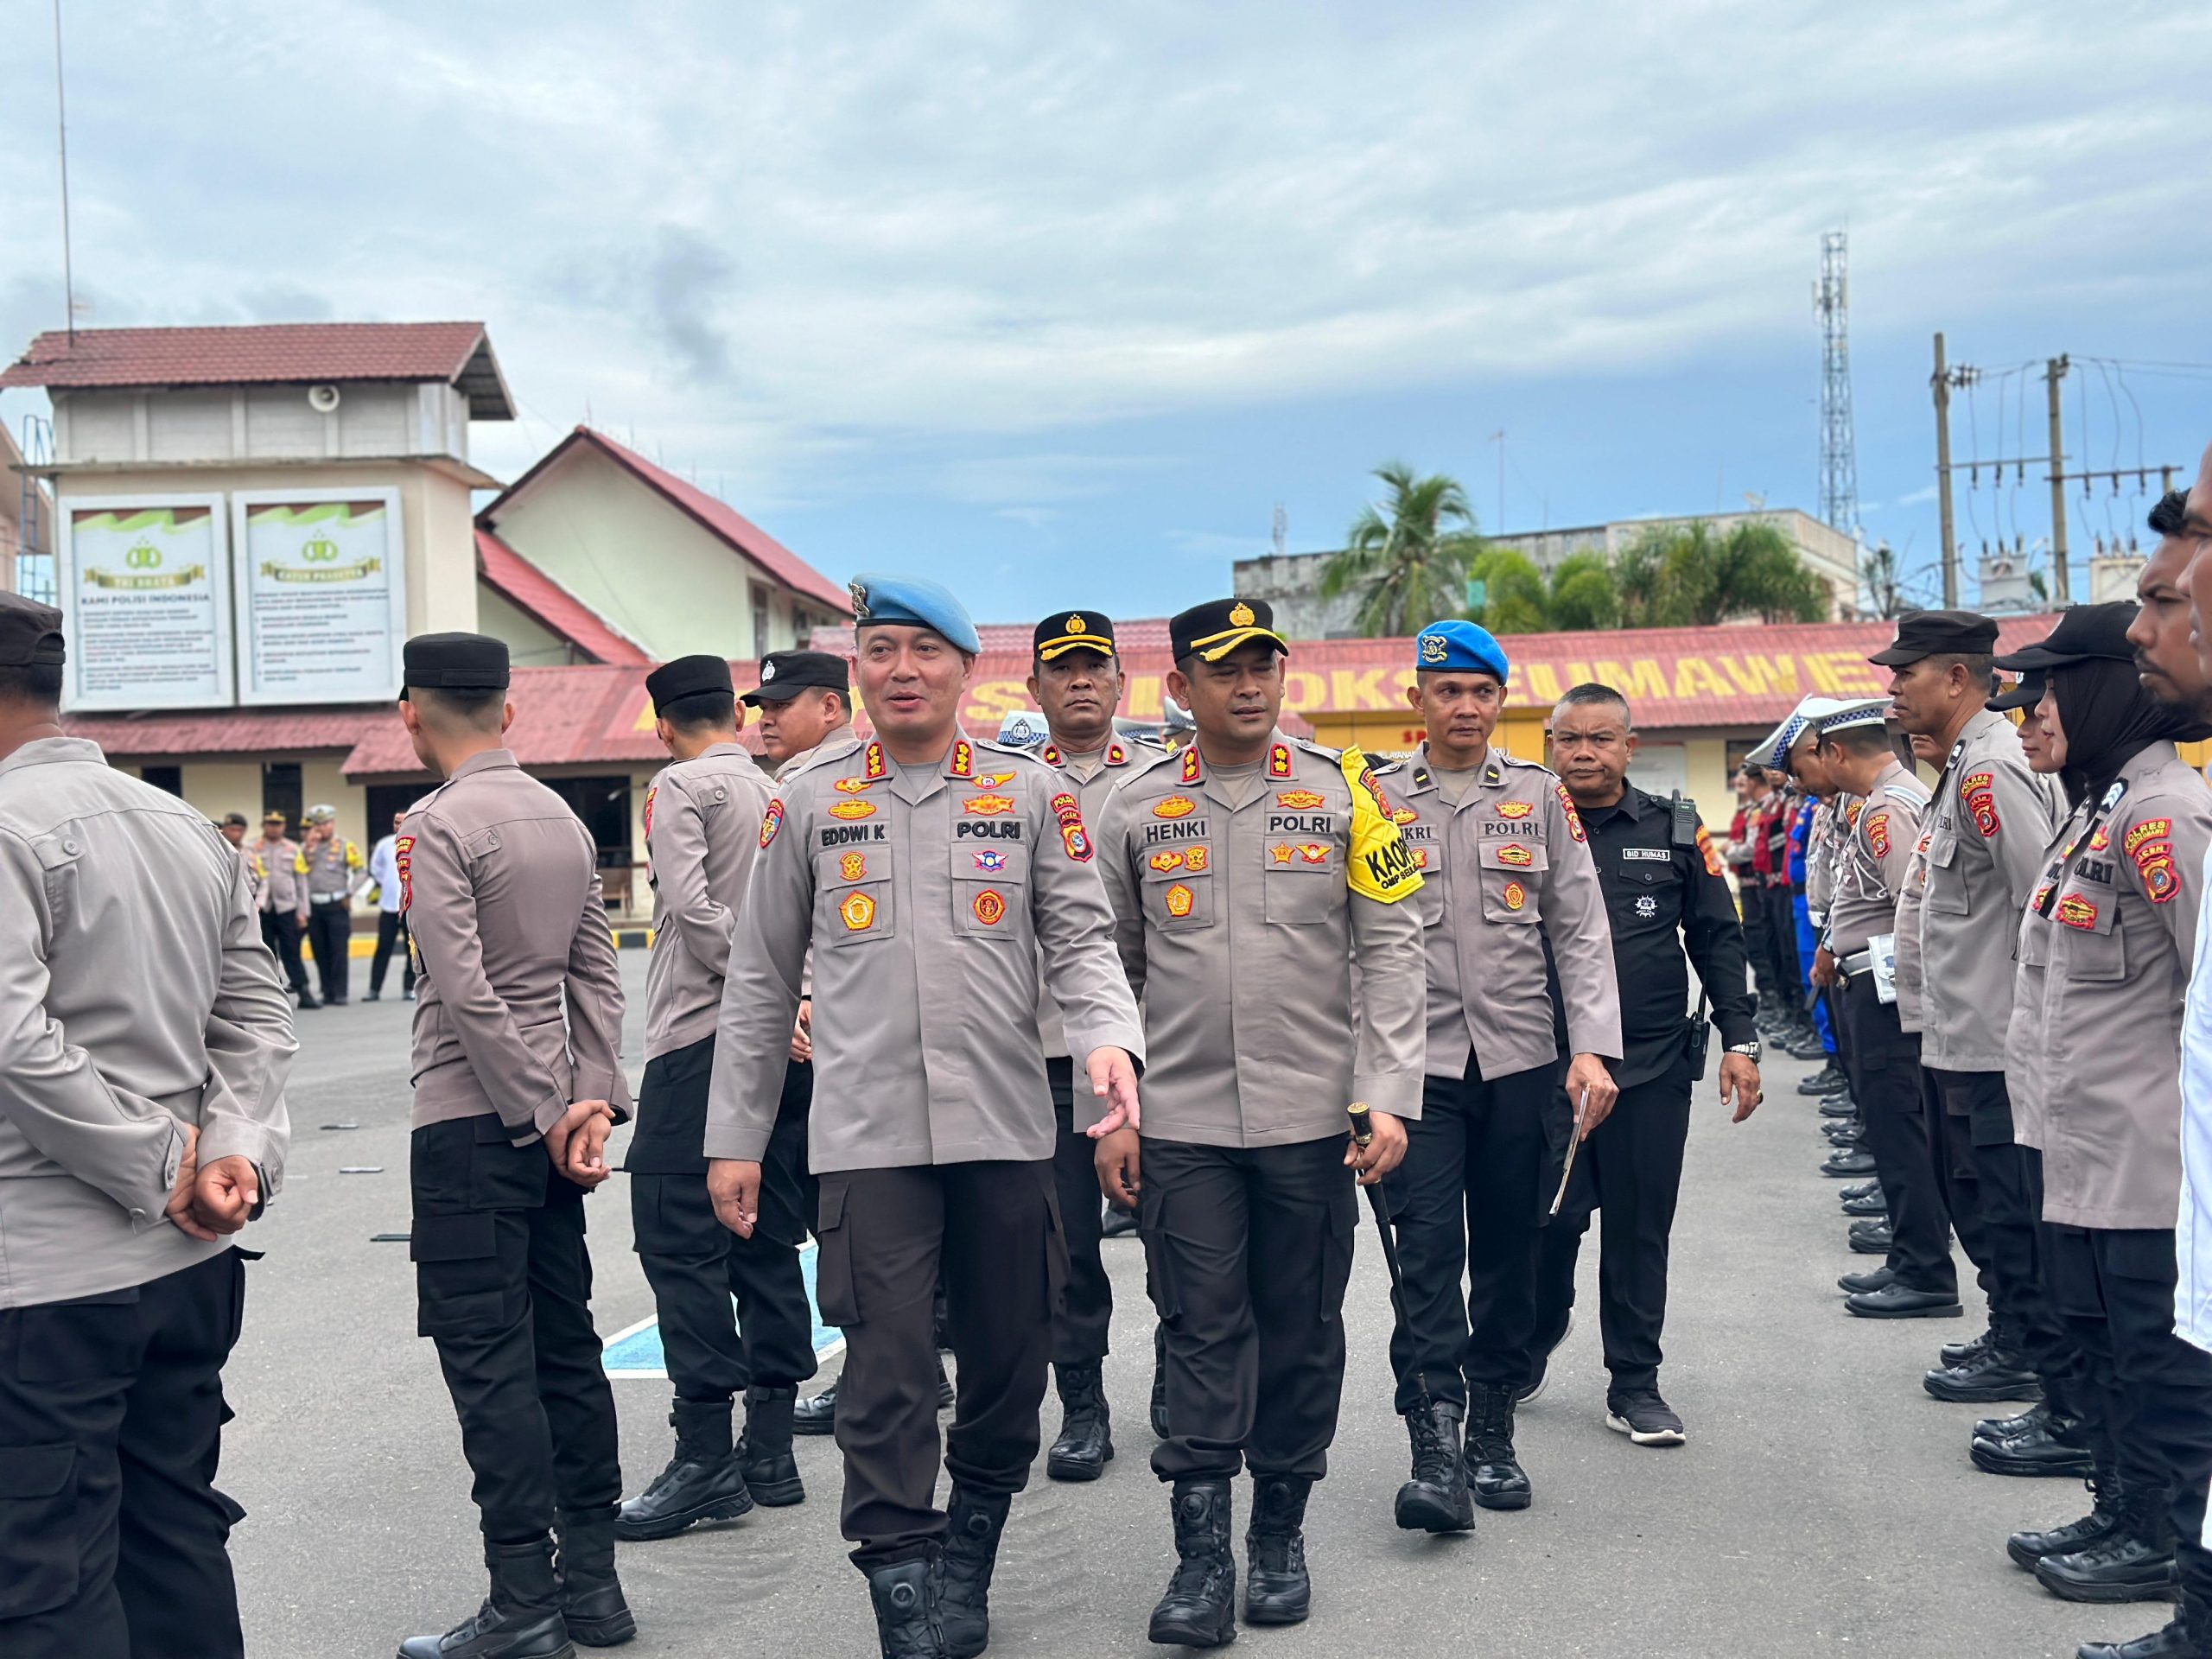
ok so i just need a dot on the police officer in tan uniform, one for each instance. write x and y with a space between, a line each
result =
335 869
1250 873
234 828
1507 867
284 903
141 1126
702 821
1988 821
517 1080
1076 678
925 869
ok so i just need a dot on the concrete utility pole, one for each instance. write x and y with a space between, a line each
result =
2053 371
1941 383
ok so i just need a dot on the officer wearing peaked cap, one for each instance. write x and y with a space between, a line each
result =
1248 873
1987 824
333 868
702 822
926 870
1506 870
1076 678
519 1078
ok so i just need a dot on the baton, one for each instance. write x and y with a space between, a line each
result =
1363 1136
1573 1142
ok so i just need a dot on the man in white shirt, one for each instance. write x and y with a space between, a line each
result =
391 918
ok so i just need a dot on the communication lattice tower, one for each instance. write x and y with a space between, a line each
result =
1838 456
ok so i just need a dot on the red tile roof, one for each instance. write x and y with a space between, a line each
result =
718 516
265 353
518 580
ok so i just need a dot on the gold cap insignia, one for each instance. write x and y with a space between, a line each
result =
1076 626
1240 615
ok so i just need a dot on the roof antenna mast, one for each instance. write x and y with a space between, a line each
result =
61 127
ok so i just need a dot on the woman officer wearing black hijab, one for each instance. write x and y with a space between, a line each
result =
2114 920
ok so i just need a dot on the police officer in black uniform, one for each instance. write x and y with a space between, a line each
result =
1664 892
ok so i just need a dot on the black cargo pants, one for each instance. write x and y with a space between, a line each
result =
1882 1060
695 1265
990 1232
1080 1331
112 1533
502 1283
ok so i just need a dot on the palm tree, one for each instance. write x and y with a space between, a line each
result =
1683 576
1407 557
1584 595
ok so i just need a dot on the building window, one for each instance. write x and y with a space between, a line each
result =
280 791
169 779
761 643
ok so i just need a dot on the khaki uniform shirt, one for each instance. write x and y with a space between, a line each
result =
1881 832
1507 868
334 870
703 827
1824 844
924 892
1275 993
135 993
2023 1036
287 888
1988 823
256 872
1093 778
499 883
2116 951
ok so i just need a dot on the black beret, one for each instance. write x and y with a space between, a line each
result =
687 677
1932 633
1218 626
1066 630
30 634
785 674
457 662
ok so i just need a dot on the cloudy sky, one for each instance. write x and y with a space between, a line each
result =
1059 303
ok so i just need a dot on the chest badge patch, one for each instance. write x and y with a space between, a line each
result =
989 906
1299 800
1516 809
850 810
1195 858
2076 912
1314 852
853 866
1515 895
1646 906
1516 853
990 860
988 806
1281 853
1175 806
1403 815
1178 901
857 913
852 785
1165 862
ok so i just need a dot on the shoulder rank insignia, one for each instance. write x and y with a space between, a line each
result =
1190 763
1574 817
873 766
1051 755
650 793
963 759
1279 761
403 859
1115 754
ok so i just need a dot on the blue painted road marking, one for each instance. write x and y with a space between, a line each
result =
636 1351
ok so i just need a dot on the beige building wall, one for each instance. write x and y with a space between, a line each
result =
437 528
531 643
645 566
219 787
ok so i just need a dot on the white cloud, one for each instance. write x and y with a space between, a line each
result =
810 246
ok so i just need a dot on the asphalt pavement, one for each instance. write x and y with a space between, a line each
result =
1823 1504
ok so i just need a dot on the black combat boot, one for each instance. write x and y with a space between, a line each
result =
2103 1518
1160 1382
2187 1637
764 1451
906 1623
521 1618
2042 1441
973 1523
1829 1080
816 1413
1436 1499
1199 1610
1086 1442
591 1595
1997 1373
1498 1480
2134 1561
1276 1588
702 1482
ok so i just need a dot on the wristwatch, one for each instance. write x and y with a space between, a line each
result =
1750 1050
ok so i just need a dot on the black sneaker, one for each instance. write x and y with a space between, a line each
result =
1646 1418
1826 1081
1540 1364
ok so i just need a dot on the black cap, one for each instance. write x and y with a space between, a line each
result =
785 674
1066 630
687 677
239 818
457 662
30 634
1214 629
1929 633
2022 693
2085 633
